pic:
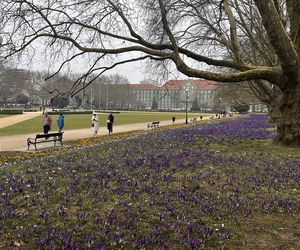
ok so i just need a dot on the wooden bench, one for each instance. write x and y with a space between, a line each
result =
41 138
153 125
193 119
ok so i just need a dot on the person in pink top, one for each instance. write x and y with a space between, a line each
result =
47 121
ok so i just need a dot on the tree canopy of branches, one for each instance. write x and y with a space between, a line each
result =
227 41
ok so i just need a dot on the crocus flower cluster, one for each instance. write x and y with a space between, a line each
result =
159 190
251 127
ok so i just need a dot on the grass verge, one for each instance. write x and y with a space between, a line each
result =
80 121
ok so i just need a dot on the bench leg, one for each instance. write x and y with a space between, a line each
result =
35 147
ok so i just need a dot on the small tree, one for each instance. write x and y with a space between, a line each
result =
78 100
154 105
241 107
22 99
59 102
195 105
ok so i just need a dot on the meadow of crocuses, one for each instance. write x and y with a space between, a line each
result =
171 189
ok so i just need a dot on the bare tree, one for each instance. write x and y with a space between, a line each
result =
235 93
190 34
47 89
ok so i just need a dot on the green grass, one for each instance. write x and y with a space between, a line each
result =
74 121
255 149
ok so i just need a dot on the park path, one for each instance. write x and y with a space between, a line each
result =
14 119
18 142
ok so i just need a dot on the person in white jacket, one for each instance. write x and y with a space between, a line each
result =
95 123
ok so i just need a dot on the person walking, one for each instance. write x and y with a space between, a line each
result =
60 122
95 123
47 121
110 122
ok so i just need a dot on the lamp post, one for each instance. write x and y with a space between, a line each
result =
91 97
107 96
186 105
99 96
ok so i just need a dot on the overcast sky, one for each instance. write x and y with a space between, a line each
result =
133 71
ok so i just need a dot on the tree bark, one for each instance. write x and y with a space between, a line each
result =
289 122
286 47
274 112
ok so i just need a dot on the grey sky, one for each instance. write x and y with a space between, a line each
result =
133 71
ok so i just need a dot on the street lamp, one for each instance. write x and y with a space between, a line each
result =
99 96
91 97
107 96
186 105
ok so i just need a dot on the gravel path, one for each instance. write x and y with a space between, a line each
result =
14 119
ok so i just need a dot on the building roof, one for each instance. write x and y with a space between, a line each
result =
201 84
176 85
143 86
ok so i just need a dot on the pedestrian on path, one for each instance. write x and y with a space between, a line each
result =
95 123
60 122
110 122
47 122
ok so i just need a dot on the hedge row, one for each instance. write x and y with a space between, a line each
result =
11 111
79 112
69 112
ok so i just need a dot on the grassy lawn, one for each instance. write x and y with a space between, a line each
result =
218 185
74 121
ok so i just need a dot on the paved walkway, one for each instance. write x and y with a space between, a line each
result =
18 142
14 119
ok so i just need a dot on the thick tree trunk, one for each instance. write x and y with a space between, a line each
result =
274 109
289 122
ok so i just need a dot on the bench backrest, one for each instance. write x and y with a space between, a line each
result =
155 122
58 134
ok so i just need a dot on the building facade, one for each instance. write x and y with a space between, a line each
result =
175 95
14 82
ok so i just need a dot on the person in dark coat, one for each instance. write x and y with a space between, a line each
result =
110 122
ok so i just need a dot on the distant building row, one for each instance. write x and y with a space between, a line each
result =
175 95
